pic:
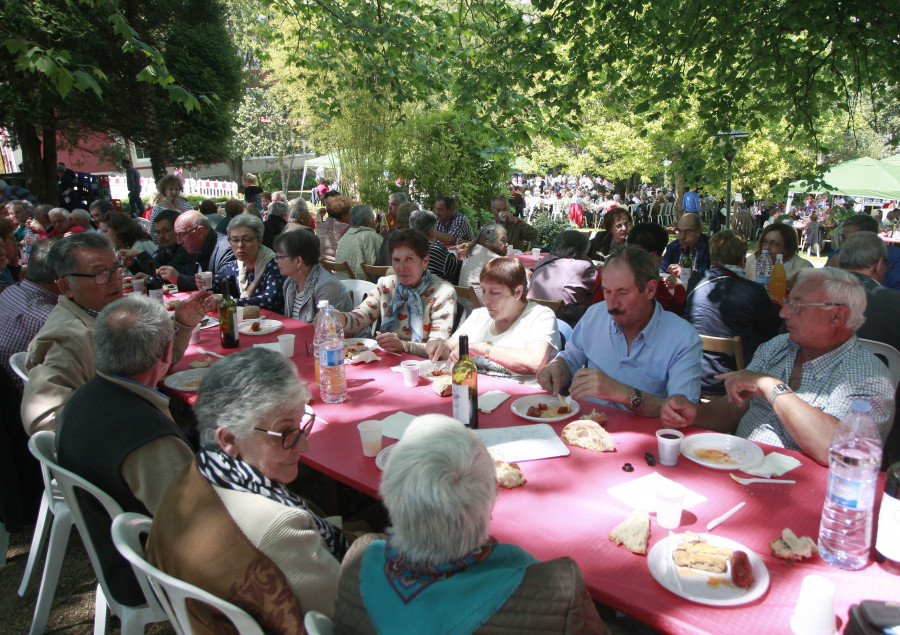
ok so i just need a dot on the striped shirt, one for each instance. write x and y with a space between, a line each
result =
24 308
442 263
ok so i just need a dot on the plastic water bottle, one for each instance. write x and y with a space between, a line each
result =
845 533
763 269
317 332
330 337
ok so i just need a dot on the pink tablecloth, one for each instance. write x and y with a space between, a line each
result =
890 238
564 509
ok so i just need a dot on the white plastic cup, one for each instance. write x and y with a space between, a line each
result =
509 250
286 342
138 285
195 335
668 446
669 501
410 370
814 613
206 278
370 435
239 314
536 252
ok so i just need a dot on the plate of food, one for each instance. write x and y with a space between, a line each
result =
711 569
430 371
259 327
721 451
381 459
545 408
353 346
188 380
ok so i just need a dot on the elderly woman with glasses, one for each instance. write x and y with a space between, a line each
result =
254 272
305 280
779 238
227 523
440 566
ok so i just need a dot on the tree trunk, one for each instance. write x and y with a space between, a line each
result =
38 159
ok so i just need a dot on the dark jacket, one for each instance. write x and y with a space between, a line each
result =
213 255
700 254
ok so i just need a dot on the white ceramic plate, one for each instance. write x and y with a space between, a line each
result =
188 380
381 459
703 587
359 341
520 407
426 367
266 326
736 453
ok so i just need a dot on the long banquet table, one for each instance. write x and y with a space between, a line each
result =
564 509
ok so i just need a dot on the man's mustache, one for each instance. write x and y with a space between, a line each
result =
615 311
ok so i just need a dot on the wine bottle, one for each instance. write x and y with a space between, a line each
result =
228 331
687 266
887 542
154 287
465 386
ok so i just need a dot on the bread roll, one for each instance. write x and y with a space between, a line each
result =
442 385
509 475
633 532
789 547
589 435
251 312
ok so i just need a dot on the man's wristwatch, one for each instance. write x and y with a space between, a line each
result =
637 401
779 389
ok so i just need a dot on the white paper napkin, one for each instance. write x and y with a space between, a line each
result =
774 464
364 357
641 493
395 425
489 401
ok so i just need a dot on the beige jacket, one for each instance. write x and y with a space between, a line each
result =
552 598
60 360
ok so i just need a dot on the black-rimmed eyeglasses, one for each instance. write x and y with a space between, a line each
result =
290 438
101 277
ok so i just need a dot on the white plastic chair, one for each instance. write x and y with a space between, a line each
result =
133 618
17 361
357 289
888 354
171 593
318 623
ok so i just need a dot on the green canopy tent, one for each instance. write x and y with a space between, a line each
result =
324 161
859 177
894 160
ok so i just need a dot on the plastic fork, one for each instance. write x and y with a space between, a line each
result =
747 481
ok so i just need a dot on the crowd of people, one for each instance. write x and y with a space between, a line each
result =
627 336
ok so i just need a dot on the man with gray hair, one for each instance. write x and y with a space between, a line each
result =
865 223
207 249
395 200
627 351
24 306
141 450
360 244
275 222
81 218
62 223
440 261
61 356
865 255
799 386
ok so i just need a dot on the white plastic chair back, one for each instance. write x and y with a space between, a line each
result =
171 593
318 623
17 361
357 289
43 447
888 354
145 223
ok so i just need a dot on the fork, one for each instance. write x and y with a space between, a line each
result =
203 351
747 481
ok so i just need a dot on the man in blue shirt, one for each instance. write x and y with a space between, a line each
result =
627 351
690 204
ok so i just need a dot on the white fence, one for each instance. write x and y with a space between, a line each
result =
206 188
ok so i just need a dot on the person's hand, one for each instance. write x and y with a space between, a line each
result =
742 385
127 256
198 280
436 350
34 226
140 276
169 274
677 412
462 249
390 342
553 377
593 382
674 269
191 311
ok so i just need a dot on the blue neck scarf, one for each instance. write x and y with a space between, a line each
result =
412 298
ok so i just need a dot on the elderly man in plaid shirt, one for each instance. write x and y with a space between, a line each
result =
799 386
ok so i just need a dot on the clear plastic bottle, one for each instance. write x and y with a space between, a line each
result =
318 332
763 269
330 336
845 533
778 280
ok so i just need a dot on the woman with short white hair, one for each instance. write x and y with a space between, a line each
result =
440 566
254 272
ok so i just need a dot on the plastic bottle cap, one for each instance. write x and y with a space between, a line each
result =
861 405
322 304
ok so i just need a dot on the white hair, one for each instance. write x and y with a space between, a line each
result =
841 287
439 486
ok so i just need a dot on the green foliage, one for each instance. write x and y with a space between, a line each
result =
548 229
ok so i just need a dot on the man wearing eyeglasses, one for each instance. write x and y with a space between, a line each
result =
207 249
690 236
61 356
800 385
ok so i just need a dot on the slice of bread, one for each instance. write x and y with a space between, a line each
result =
599 417
509 475
789 547
633 532
589 435
695 553
442 385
